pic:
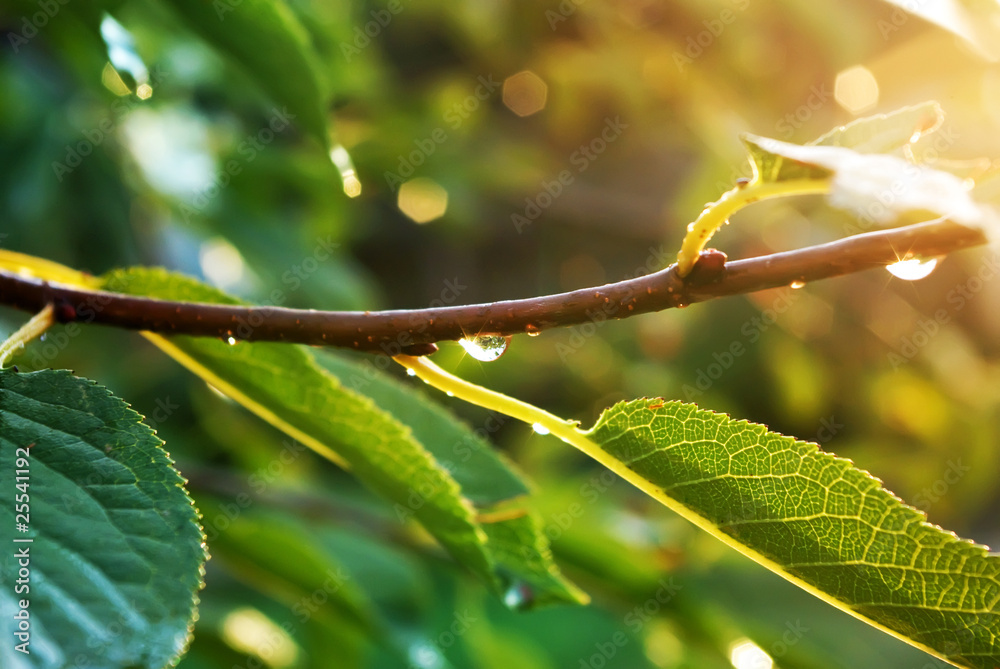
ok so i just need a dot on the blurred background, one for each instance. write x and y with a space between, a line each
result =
504 150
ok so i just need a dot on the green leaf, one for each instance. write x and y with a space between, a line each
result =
875 187
816 520
770 165
500 495
268 41
884 133
283 384
975 21
116 555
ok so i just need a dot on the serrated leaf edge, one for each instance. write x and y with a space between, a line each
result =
711 528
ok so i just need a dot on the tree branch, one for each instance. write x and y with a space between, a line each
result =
414 331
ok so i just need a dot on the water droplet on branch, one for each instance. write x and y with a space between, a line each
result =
519 596
540 429
912 269
485 348
795 285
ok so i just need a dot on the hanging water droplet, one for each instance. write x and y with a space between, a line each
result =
540 429
795 285
912 269
485 348
410 372
425 655
348 175
231 341
519 596
124 58
532 330
449 393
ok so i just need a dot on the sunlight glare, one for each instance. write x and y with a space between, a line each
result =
745 654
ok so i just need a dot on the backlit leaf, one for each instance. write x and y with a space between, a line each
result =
816 520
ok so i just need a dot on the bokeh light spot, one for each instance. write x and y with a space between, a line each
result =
348 175
422 200
525 93
249 631
856 89
222 263
745 654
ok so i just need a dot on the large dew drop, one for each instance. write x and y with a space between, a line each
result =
912 269
485 348
519 596
425 655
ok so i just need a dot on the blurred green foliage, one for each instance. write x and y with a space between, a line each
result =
190 180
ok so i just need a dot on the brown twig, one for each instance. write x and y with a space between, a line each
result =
415 331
